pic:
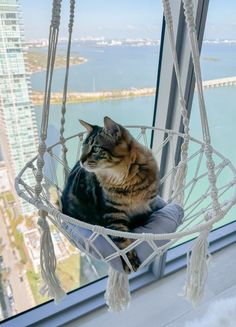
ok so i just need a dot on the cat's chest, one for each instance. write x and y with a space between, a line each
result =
137 208
131 204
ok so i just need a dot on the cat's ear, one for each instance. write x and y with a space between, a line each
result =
111 127
86 125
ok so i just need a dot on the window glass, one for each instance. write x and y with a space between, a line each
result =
115 49
219 79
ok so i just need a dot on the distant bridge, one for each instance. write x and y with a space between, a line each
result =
225 81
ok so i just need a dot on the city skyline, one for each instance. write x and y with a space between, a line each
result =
122 19
19 136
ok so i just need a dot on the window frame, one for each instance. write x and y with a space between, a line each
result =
167 113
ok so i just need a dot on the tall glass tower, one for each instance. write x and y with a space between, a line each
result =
18 130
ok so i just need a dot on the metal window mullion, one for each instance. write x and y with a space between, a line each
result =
167 106
168 110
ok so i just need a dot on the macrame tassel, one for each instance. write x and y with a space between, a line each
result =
197 269
117 295
48 263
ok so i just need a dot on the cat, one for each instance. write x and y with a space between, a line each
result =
115 183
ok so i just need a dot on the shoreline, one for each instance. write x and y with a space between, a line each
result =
80 97
37 61
43 69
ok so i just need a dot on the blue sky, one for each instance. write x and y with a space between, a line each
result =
122 18
108 18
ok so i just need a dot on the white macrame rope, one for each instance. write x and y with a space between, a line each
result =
48 262
64 99
188 10
197 268
53 38
225 163
47 254
189 16
117 302
117 295
182 169
197 262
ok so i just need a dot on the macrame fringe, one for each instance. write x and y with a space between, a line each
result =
117 295
197 269
48 263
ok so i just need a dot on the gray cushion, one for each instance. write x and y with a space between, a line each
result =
165 220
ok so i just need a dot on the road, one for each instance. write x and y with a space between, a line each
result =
22 295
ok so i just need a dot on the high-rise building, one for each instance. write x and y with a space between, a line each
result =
18 130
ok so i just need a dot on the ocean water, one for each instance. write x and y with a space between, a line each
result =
122 67
218 60
107 68
125 67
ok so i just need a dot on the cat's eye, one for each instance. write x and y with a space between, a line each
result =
96 149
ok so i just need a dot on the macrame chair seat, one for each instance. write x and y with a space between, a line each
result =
97 243
206 193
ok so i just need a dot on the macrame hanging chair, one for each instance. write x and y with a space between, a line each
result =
208 170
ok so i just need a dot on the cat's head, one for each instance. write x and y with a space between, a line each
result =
104 147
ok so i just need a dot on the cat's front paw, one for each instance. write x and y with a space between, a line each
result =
134 261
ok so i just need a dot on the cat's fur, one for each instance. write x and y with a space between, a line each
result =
114 185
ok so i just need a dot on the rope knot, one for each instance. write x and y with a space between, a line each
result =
38 189
167 13
42 148
188 9
147 236
98 229
30 165
42 222
208 149
56 12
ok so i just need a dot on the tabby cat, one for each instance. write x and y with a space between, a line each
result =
114 184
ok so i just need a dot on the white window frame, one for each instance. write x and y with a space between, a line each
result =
166 115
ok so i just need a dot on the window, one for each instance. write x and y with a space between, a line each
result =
219 71
106 55
116 52
216 63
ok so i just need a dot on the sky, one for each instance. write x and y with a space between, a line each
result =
122 19
108 18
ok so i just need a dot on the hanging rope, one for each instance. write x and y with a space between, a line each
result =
188 9
181 173
47 255
197 263
64 99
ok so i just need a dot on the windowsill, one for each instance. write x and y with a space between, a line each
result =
161 304
75 304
